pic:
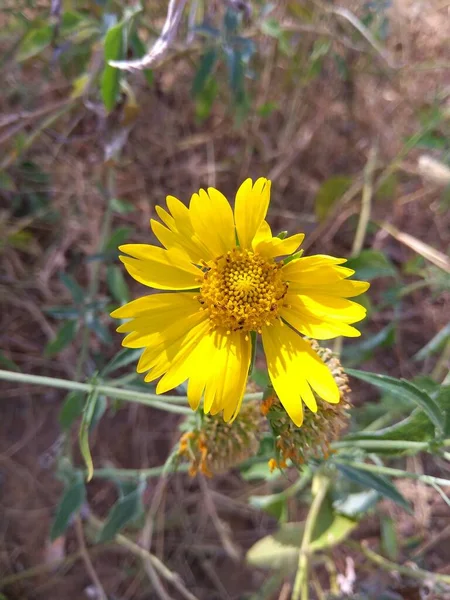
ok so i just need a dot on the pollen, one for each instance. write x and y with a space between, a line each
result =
242 290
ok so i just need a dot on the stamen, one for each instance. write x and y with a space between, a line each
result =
241 291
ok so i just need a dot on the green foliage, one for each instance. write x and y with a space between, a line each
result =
110 80
64 337
72 500
371 264
127 509
71 409
406 390
329 193
88 416
380 484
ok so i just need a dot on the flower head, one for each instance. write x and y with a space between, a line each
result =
213 446
319 430
223 277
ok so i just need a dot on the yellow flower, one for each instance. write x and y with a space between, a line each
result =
223 278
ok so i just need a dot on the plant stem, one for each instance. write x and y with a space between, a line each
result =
147 557
160 402
154 400
382 470
301 589
366 202
109 472
382 445
388 565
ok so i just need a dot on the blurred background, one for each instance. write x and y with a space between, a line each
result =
345 107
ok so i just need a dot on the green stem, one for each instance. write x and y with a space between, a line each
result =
301 589
111 472
160 402
383 445
382 470
388 565
154 400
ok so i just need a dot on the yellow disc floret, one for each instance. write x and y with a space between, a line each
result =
242 291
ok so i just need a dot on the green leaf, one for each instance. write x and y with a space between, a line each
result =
64 336
280 550
123 207
358 504
34 42
389 541
71 502
329 193
371 264
123 358
110 79
8 363
407 390
205 68
118 237
205 100
375 482
71 409
76 291
435 344
117 284
357 353
99 410
125 510
83 434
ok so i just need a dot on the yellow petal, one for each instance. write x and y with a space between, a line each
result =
277 247
169 240
303 271
178 221
293 367
328 307
346 288
252 202
172 357
160 268
190 357
317 327
234 376
264 234
212 219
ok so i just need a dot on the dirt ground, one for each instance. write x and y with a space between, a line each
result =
323 128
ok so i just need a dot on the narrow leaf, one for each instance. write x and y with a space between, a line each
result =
375 482
76 291
110 79
123 358
125 510
204 70
407 390
34 42
64 336
71 502
117 284
371 264
83 434
71 409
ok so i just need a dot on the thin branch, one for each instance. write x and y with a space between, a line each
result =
160 47
87 560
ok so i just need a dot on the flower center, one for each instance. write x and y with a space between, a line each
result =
242 291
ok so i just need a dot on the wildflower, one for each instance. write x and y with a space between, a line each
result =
319 430
223 279
213 446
